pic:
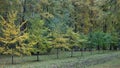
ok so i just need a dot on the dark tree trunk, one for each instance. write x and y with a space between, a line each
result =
23 15
110 47
82 52
24 10
72 50
57 53
90 50
105 28
12 57
12 60
115 47
98 47
37 52
37 56
75 28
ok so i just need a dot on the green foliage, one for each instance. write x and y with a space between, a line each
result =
38 36
100 39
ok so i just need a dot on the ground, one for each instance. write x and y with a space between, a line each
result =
88 60
110 64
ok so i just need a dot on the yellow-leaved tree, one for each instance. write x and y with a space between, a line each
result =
58 41
12 39
76 40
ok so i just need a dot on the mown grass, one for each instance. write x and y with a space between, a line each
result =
115 63
50 61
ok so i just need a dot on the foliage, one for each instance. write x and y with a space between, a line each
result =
75 39
13 39
60 23
100 39
37 33
58 40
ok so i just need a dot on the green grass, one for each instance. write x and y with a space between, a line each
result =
50 61
62 55
115 63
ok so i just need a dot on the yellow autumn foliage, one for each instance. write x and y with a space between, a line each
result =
1 49
59 41
12 37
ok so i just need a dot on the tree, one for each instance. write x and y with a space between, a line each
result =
75 40
100 40
38 37
58 41
14 41
57 38
96 39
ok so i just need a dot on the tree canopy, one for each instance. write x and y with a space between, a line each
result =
40 25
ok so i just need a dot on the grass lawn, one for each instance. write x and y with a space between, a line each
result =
50 61
115 63
26 59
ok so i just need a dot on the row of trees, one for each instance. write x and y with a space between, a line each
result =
83 16
39 26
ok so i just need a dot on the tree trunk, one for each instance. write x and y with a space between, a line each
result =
98 47
12 57
91 51
105 28
57 53
37 56
115 47
110 47
23 15
72 52
24 10
82 52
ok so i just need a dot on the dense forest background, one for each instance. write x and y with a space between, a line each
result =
39 26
